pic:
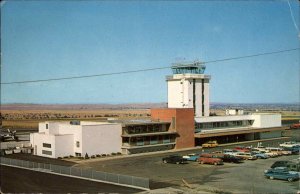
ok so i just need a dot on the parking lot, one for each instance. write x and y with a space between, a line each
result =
247 177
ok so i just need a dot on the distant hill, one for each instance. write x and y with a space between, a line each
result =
18 106
223 106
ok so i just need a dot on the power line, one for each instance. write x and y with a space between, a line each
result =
143 70
292 16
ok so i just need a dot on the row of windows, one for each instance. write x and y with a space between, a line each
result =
145 129
223 124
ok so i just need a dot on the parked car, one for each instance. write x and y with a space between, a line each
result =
289 144
281 173
242 149
231 158
292 166
175 159
208 159
295 126
280 163
270 154
229 151
192 157
260 155
210 144
246 156
293 150
278 151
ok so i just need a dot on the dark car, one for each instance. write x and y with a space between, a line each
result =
281 173
292 166
294 149
231 159
279 164
175 159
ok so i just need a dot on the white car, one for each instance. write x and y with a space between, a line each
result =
289 144
230 152
191 157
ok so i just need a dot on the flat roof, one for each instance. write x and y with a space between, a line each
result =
224 132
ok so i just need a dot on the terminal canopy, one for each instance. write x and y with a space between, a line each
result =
195 67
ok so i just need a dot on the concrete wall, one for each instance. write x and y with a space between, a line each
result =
76 130
101 139
266 120
64 145
180 92
37 140
206 98
175 98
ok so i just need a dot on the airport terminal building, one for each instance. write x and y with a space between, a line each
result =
186 123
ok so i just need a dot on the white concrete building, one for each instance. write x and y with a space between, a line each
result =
188 87
59 139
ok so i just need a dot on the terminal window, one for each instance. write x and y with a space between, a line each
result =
77 144
46 145
46 152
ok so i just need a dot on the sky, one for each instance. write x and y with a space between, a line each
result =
54 39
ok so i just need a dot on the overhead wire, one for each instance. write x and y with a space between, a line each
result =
143 70
292 16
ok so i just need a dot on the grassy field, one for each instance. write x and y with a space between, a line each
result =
29 119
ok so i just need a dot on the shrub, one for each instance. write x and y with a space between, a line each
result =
113 154
71 156
93 156
66 156
86 156
119 153
103 155
98 155
81 157
59 158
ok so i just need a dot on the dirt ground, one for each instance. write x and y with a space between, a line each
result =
15 180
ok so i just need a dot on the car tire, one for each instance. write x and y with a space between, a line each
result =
177 162
215 163
201 162
290 179
165 161
271 177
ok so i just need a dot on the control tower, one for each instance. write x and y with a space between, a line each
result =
188 87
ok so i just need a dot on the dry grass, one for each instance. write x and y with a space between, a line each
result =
29 119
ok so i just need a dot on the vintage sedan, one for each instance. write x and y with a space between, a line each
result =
260 154
246 156
231 159
209 159
210 144
175 159
192 157
281 173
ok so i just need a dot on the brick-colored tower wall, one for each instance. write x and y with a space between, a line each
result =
185 127
184 124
